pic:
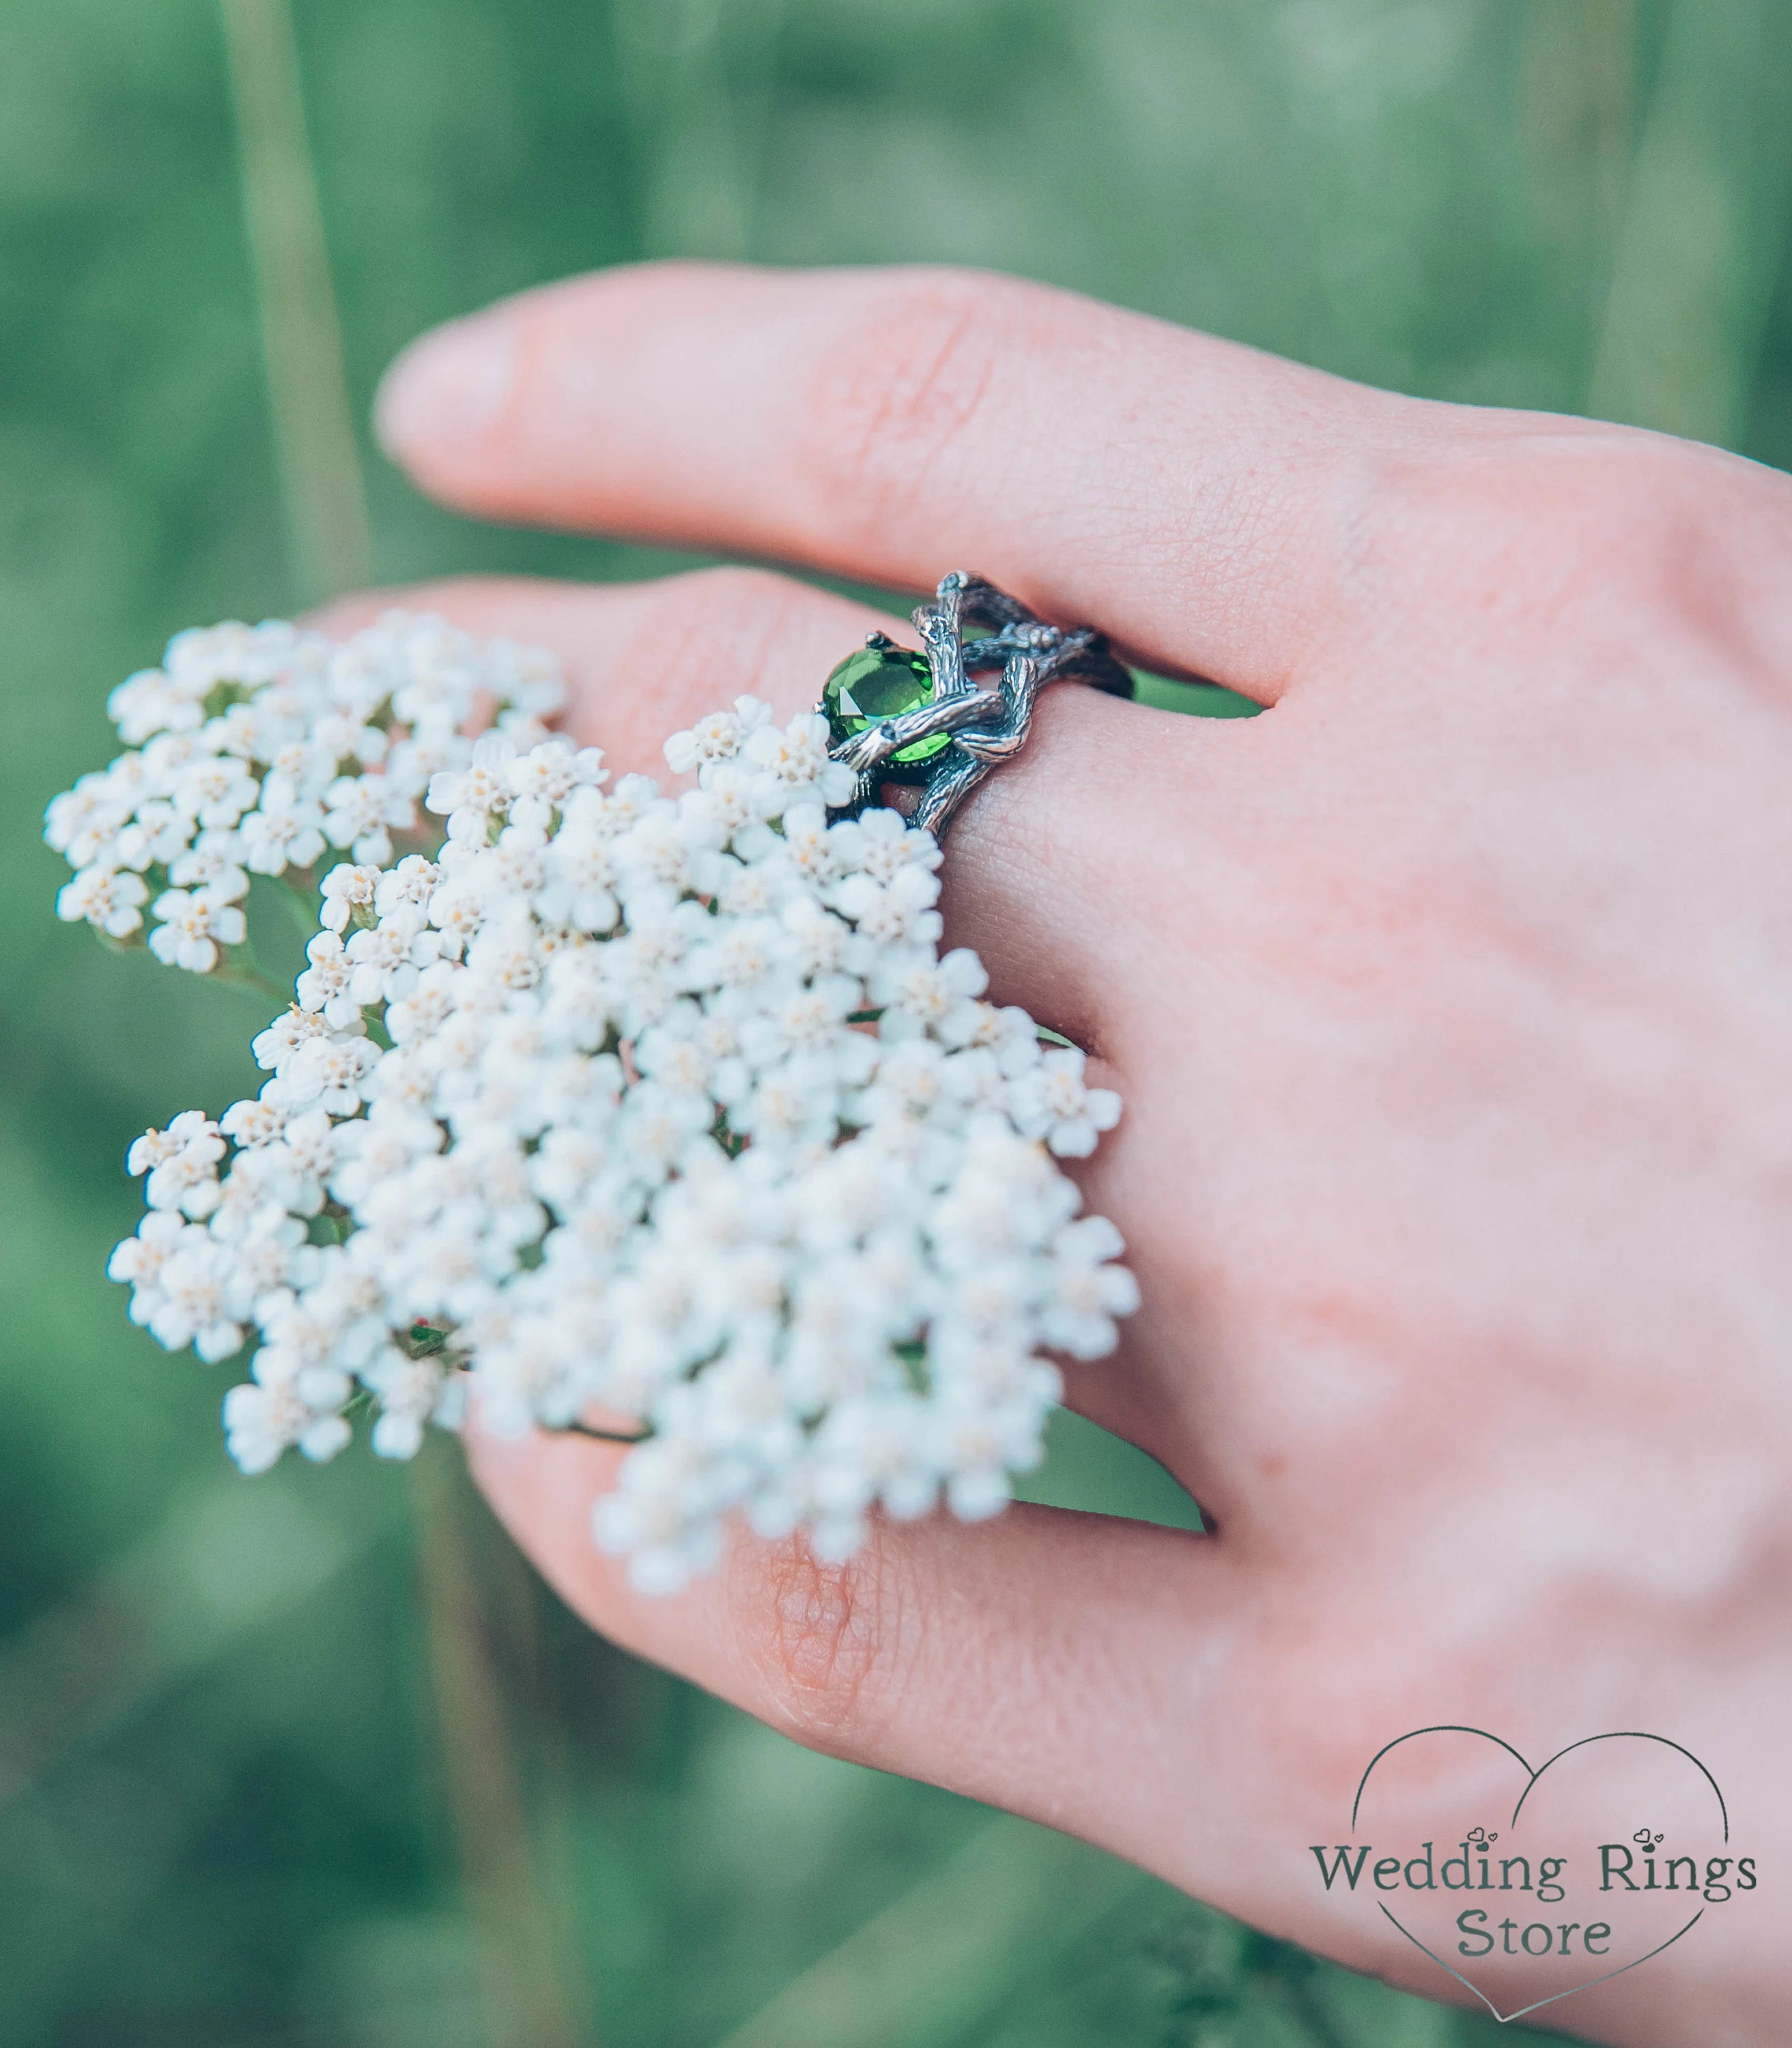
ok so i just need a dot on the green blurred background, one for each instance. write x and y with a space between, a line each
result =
272 1771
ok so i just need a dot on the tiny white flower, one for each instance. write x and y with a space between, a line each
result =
150 702
796 759
412 882
716 737
331 1073
327 985
918 993
253 1122
345 890
192 1306
881 843
384 959
84 820
479 788
261 1422
139 1260
286 832
194 926
213 864
546 776
361 813
192 1132
814 847
898 913
215 792
111 902
1087 1291
344 737
274 1048
158 833
1051 1102
409 1392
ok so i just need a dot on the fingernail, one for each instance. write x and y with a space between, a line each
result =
446 388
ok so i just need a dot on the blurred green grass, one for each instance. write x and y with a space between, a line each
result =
225 1815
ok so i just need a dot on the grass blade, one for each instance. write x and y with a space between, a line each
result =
301 336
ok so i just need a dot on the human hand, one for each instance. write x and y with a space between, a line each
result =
1451 1002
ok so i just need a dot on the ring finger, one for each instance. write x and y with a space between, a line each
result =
1045 860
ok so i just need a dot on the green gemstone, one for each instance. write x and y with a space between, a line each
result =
878 683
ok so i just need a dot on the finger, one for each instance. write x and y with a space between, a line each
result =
1142 1688
643 660
1198 500
999 1659
1047 858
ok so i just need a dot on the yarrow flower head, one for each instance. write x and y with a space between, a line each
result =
615 1107
253 749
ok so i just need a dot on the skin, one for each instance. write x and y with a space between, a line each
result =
1450 1001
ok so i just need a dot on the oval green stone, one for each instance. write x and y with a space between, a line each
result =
878 683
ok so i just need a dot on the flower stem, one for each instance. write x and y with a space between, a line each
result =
235 976
303 904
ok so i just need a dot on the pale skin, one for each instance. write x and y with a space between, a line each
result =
1450 1001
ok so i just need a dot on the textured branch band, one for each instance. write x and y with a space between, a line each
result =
895 715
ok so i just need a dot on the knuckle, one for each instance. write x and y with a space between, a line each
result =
470 594
1547 517
471 600
822 1639
746 600
686 618
904 380
728 585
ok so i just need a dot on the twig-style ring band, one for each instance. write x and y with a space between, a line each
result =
896 714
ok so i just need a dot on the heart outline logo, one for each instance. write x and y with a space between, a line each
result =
1531 1779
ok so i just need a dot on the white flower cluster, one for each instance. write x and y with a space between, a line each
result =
621 1104
253 749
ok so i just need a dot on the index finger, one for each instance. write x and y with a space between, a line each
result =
1189 496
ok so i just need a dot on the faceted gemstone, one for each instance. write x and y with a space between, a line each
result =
881 682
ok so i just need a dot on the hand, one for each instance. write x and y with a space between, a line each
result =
1450 1001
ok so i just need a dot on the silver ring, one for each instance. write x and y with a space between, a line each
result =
915 715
